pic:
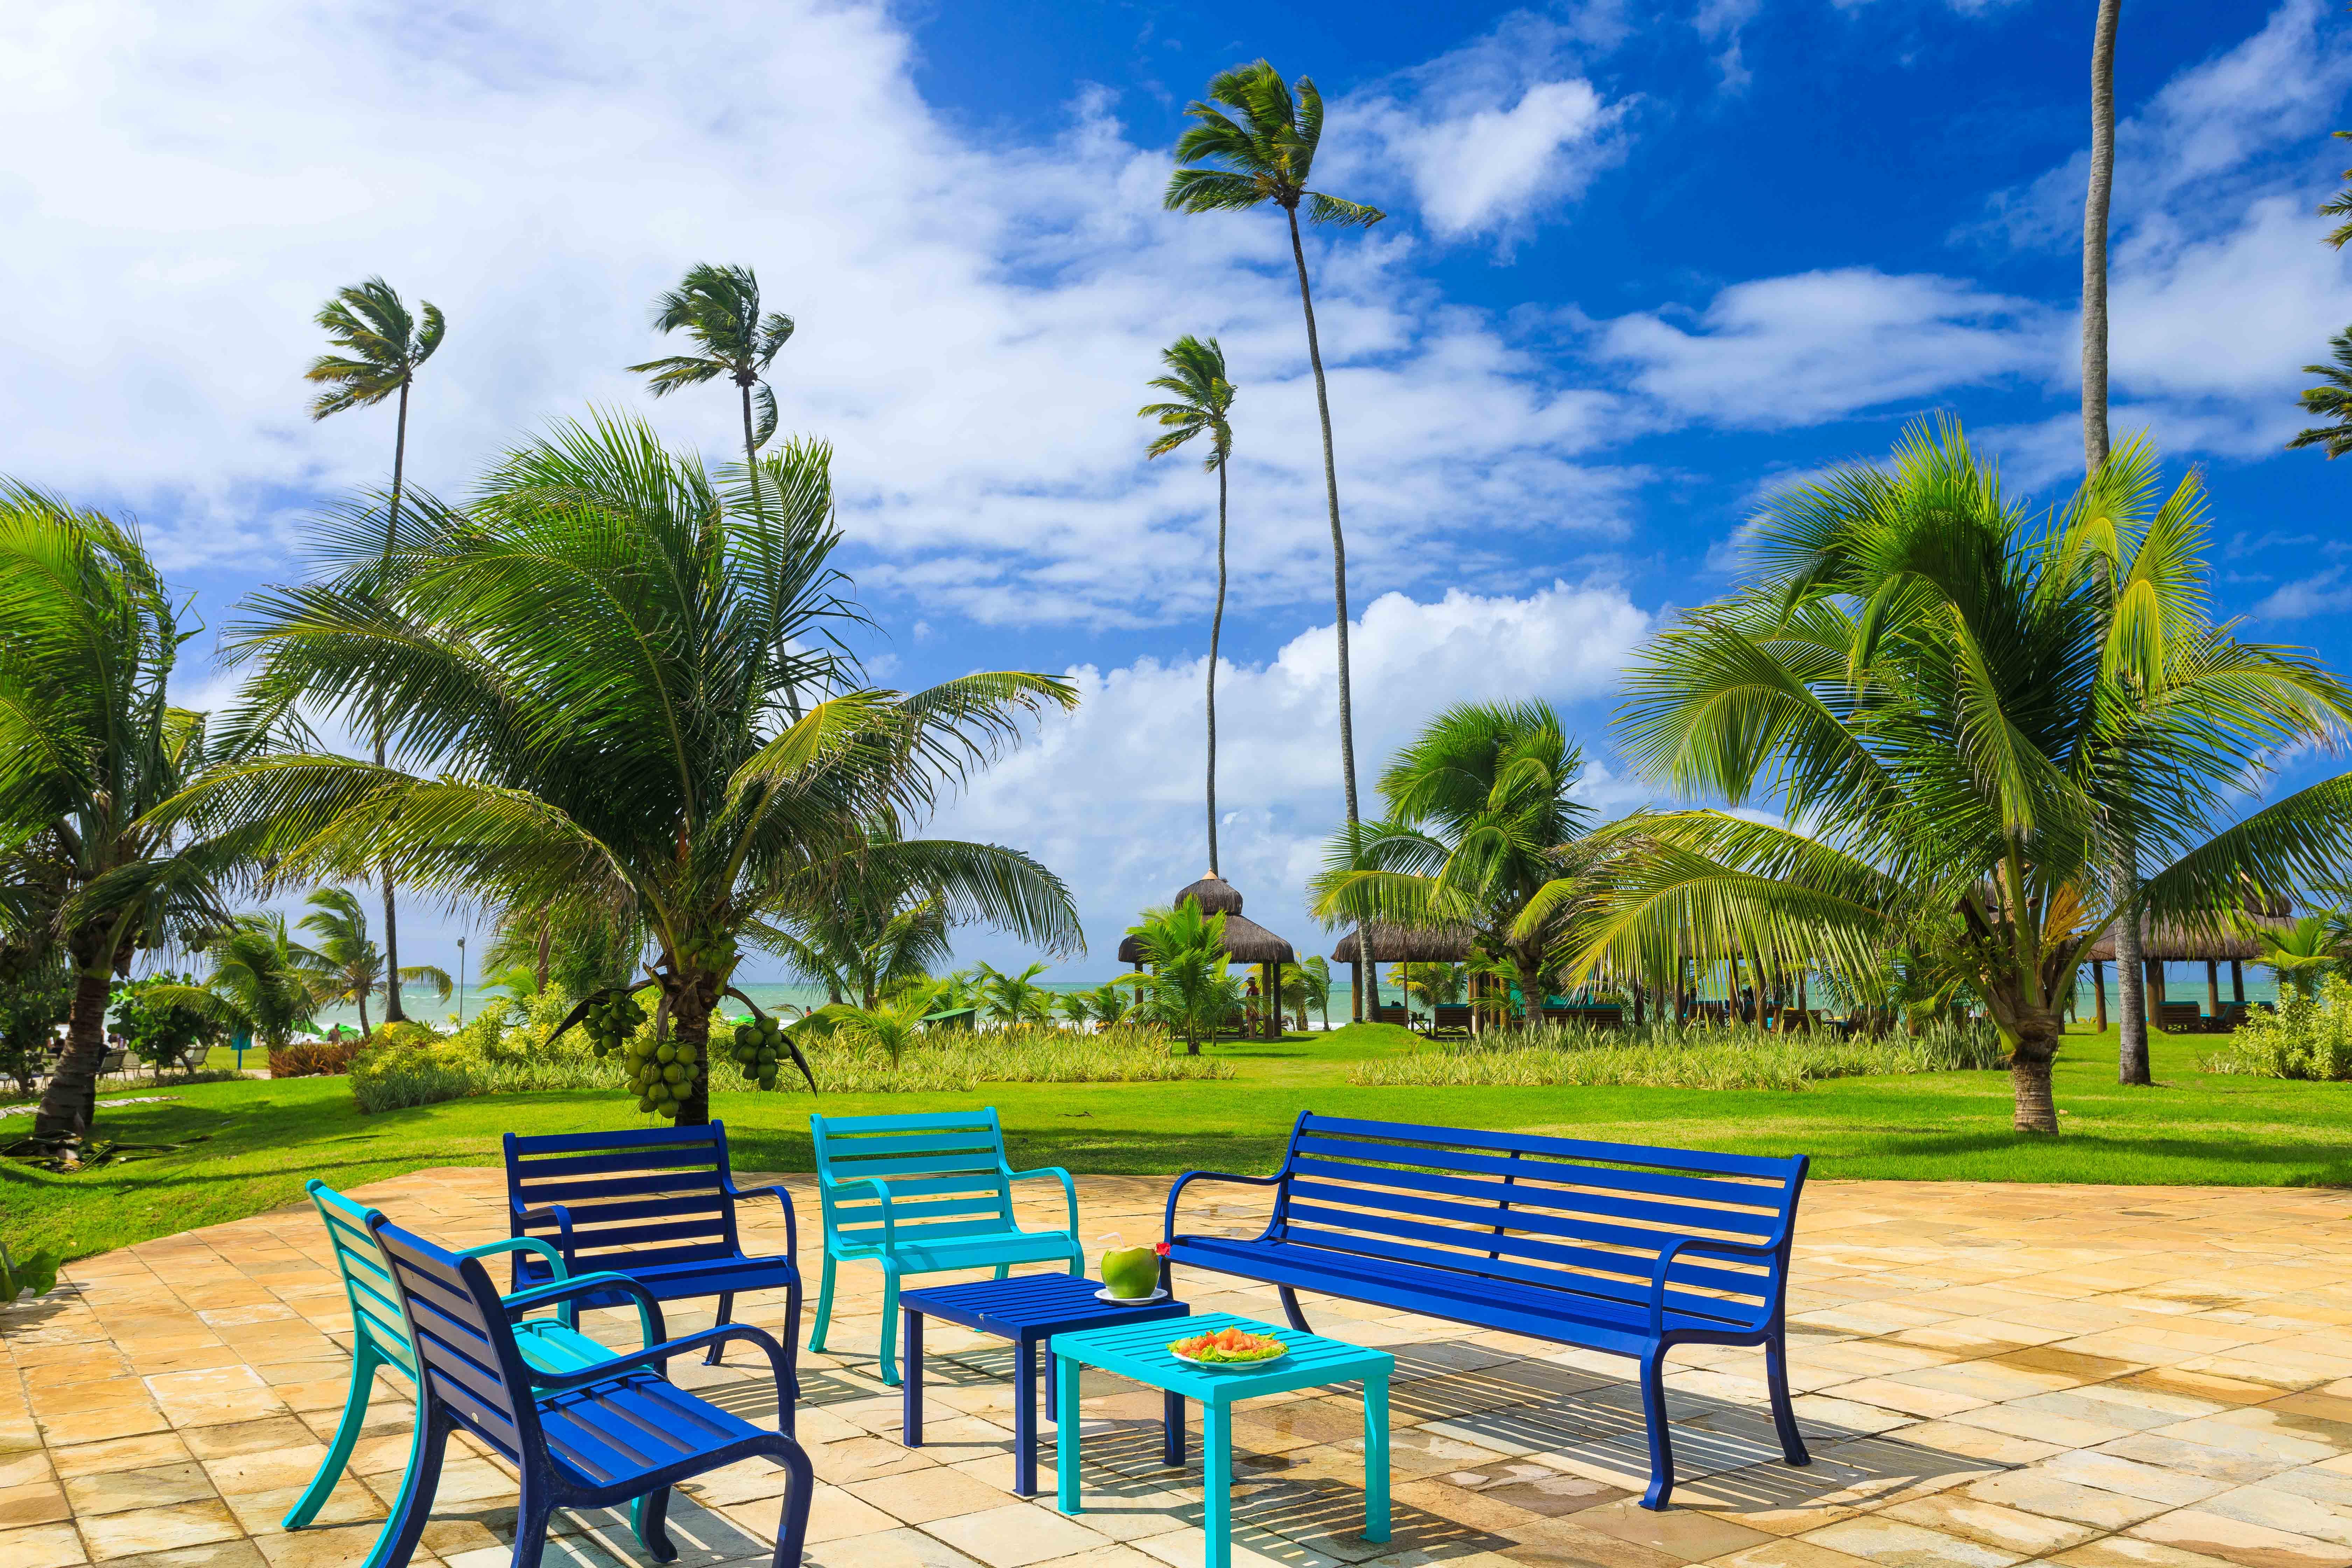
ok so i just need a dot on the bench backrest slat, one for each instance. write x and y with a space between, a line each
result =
367 1278
466 1349
946 1174
642 1195
1587 1219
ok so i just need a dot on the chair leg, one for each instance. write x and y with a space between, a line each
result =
365 1362
890 1356
823 1306
533 1512
791 1527
791 1394
649 1515
725 1315
1005 1271
1077 1263
1784 1415
398 1543
1290 1310
1654 1414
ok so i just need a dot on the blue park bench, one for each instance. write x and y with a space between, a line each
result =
1607 1246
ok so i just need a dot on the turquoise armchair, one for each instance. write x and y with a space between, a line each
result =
919 1195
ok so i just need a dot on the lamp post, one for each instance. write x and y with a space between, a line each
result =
461 981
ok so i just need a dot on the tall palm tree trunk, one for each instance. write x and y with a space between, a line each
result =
1216 631
392 1012
2131 1055
70 1103
1338 561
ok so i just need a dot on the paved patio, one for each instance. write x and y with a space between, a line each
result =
1988 1376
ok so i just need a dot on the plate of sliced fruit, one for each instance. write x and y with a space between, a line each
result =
1228 1347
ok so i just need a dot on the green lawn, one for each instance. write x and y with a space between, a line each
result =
250 1145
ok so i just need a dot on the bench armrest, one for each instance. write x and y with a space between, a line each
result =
881 1191
1069 1188
567 1293
792 1222
1274 1179
1763 1249
659 1354
553 1259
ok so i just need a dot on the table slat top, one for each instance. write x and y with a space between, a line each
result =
1140 1350
1031 1304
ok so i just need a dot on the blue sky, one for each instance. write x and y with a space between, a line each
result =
1644 263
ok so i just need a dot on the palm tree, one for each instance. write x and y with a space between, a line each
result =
2303 954
2131 1066
90 741
1015 998
719 308
1921 675
2340 206
891 1026
354 966
1480 833
1255 143
1306 985
1196 379
594 654
883 915
379 348
1104 1005
2334 401
1186 987
263 982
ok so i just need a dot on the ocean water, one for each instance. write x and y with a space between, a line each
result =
2183 983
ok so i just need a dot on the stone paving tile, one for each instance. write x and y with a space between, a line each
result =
1987 1375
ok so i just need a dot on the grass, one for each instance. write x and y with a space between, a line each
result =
249 1146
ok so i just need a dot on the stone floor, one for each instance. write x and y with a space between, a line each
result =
1988 1376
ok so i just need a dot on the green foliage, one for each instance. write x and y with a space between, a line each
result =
35 1272
1015 999
159 1032
1203 401
1185 988
262 981
2309 1037
2310 949
379 346
1254 141
36 993
612 679
2332 401
350 965
1306 988
718 308
489 1056
1105 1004
961 1061
1664 1056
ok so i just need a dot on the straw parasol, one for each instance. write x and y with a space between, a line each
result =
1405 944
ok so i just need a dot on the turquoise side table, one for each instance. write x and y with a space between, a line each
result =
1139 1352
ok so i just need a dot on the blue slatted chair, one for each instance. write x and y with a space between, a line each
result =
380 1339
615 1432
1609 1246
654 1203
919 1195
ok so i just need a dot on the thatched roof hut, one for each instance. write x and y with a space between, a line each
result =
1250 942
1405 944
1213 894
1245 941
2173 944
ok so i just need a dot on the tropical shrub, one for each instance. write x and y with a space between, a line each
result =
159 1032
36 993
322 1059
1668 1055
2309 1037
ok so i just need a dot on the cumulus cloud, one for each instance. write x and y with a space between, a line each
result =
1492 136
976 321
1112 794
1791 350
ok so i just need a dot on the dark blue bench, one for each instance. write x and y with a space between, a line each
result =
656 1205
1608 1246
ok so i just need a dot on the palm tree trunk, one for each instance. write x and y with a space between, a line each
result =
392 1012
1339 554
2131 971
1216 631
362 994
68 1102
2029 1071
2095 235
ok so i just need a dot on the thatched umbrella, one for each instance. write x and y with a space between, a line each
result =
2162 943
1401 944
1246 941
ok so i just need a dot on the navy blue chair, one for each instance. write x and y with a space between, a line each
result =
598 1437
656 1203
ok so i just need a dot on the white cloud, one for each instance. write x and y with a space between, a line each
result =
1111 796
1791 350
1719 22
976 323
1492 136
2324 593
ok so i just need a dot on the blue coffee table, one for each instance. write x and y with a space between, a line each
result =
1028 1310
